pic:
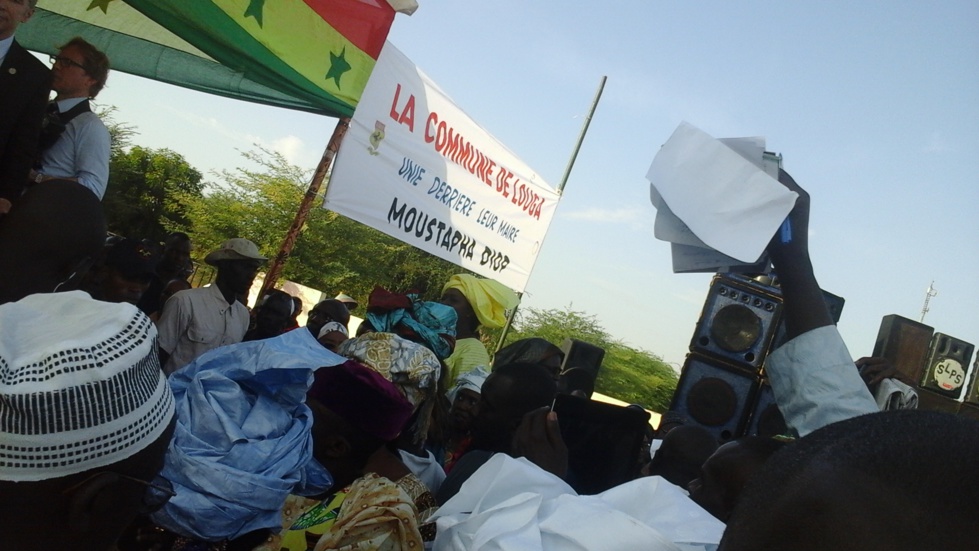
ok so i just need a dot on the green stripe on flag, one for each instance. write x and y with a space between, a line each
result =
288 29
204 25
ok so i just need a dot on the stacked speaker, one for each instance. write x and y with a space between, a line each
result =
937 362
722 386
721 379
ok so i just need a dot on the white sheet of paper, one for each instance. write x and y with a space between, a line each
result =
669 227
729 203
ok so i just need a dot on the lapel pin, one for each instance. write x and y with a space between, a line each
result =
12 70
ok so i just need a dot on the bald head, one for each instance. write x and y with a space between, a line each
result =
51 237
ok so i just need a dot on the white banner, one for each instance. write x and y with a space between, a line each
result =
414 166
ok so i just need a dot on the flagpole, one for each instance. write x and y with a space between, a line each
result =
560 191
326 161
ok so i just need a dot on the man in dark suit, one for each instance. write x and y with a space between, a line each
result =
25 83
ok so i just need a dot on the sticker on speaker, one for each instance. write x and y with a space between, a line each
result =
949 374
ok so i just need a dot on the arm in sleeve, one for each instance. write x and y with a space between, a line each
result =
815 382
173 322
93 146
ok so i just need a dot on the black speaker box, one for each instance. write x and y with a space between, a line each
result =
738 321
947 365
715 395
972 396
933 401
833 302
969 410
582 354
905 343
766 419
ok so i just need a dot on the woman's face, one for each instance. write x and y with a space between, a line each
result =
458 301
464 408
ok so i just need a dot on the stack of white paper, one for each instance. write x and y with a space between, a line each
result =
718 202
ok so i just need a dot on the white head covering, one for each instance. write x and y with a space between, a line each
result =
332 326
472 380
80 385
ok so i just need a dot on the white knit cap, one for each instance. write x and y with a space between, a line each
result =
80 385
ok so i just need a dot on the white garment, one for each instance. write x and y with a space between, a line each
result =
427 469
511 504
893 394
815 381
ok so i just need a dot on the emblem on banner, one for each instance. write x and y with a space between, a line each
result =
376 137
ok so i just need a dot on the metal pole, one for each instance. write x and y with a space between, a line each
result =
275 269
581 137
560 191
509 322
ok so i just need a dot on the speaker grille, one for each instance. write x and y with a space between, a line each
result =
715 395
738 321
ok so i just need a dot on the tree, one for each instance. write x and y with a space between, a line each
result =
333 253
629 374
148 192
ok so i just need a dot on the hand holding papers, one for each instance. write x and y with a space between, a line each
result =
718 202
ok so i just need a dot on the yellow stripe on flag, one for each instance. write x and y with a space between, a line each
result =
288 29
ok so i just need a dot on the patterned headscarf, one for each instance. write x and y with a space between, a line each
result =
489 299
471 380
413 368
405 315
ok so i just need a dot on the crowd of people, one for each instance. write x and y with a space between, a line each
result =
139 412
185 420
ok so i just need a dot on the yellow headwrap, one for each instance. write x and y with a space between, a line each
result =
489 299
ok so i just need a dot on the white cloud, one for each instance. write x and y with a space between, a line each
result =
291 147
634 217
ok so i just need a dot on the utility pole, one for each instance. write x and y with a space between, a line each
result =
930 292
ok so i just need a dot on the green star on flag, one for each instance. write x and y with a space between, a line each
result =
255 9
338 66
102 4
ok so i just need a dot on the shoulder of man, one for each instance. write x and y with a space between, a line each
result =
22 61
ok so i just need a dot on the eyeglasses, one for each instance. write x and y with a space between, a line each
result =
55 60
157 493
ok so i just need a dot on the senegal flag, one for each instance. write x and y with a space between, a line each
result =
311 55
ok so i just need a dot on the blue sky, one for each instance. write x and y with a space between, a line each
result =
874 106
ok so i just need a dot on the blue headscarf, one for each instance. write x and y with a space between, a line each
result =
242 441
432 322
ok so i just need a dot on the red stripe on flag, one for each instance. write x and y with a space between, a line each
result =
365 23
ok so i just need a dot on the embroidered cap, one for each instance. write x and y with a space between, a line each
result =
80 385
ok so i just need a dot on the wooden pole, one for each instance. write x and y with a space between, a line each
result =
560 190
275 268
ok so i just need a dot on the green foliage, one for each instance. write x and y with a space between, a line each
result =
629 374
148 192
333 253
120 133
